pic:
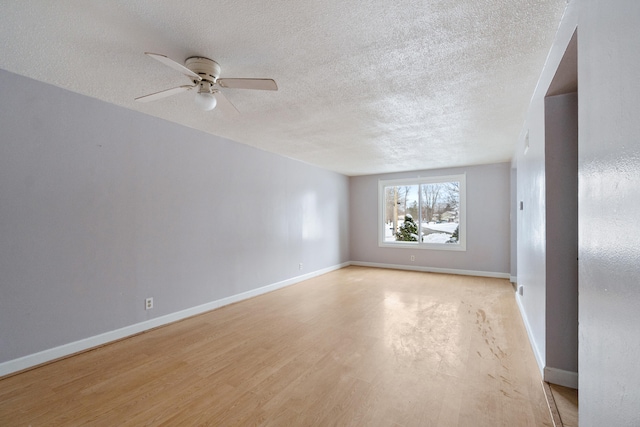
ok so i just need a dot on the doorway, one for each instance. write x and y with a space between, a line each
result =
561 198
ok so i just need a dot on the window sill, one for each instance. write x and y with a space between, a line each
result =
436 247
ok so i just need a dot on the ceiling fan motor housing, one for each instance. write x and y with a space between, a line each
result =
206 68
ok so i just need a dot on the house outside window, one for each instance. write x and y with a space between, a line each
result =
424 213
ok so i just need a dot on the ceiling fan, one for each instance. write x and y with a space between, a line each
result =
205 75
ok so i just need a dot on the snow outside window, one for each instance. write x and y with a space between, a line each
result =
426 213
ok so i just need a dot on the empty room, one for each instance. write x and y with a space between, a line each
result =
312 214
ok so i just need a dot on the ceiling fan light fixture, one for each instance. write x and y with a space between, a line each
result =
205 100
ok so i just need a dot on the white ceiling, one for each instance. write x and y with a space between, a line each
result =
364 86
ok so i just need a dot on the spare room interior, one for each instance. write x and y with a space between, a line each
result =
302 213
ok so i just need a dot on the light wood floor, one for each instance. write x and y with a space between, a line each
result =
563 405
358 346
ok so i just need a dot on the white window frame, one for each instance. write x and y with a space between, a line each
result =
462 230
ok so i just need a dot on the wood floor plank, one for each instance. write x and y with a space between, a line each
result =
358 346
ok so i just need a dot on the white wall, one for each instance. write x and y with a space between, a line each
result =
609 212
488 195
101 207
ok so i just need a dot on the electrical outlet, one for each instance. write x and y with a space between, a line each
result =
300 266
413 257
148 303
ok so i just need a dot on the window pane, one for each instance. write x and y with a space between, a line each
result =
423 212
401 213
440 212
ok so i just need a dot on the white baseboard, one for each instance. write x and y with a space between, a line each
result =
64 350
513 279
433 269
536 352
561 377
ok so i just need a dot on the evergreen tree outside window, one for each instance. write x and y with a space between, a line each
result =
408 231
426 212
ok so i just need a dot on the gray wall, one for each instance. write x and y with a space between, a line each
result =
608 209
531 236
561 171
532 188
101 207
487 222
609 212
513 229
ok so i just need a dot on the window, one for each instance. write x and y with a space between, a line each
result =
425 213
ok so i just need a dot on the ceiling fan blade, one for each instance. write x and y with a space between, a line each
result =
260 84
225 105
163 93
173 64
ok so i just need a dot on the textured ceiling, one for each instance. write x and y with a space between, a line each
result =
364 86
